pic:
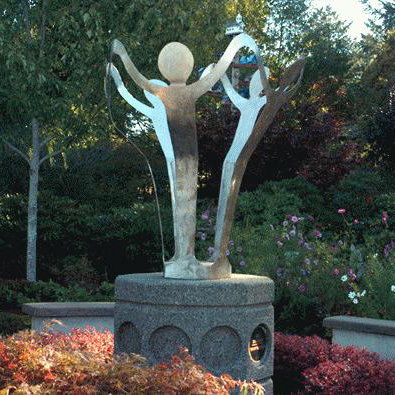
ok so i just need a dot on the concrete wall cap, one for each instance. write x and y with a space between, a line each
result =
359 324
153 288
69 309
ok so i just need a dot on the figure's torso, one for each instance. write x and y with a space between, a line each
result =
180 110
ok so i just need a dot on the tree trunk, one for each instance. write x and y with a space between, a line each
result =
32 205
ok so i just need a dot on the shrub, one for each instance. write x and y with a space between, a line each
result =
364 194
272 201
109 242
13 293
311 365
317 273
82 363
11 323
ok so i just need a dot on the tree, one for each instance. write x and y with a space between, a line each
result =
52 57
40 94
375 92
34 160
310 137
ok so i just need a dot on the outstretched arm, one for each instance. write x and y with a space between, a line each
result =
292 77
200 87
118 49
141 107
234 97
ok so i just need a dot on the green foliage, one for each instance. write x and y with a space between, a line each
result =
12 323
318 273
273 200
357 192
14 293
365 195
118 240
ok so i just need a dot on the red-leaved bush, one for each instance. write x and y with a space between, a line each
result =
82 363
311 365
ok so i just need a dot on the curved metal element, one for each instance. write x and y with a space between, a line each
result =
249 110
157 114
179 100
173 115
249 133
204 84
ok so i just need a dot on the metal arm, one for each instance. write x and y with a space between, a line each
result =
119 49
141 107
200 87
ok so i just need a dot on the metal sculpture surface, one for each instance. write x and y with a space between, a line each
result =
173 116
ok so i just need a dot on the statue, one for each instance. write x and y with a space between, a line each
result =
173 117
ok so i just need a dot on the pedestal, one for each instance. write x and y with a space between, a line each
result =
227 324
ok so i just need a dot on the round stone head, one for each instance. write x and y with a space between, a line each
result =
175 62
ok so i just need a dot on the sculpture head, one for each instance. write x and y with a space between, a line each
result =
175 62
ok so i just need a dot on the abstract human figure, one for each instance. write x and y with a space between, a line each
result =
176 62
248 134
249 111
157 114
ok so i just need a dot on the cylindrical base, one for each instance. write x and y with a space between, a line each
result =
227 325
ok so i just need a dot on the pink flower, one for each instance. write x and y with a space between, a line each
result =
351 274
341 211
294 218
385 217
317 233
356 222
205 215
336 271
302 288
332 248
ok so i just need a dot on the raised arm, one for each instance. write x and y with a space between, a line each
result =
234 97
141 107
230 91
200 87
118 49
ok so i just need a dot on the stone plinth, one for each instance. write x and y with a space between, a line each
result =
99 315
372 334
227 325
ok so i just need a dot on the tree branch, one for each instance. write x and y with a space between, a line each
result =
46 140
42 29
44 158
24 156
27 20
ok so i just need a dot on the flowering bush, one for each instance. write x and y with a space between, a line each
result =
317 273
82 363
311 365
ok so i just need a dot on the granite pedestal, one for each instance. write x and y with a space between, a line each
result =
227 324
